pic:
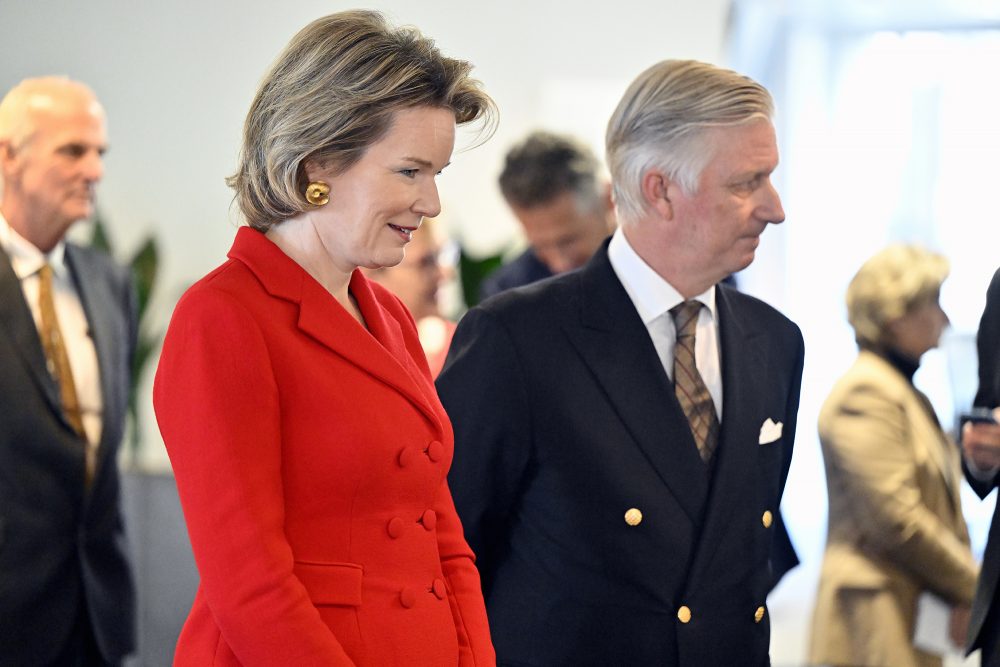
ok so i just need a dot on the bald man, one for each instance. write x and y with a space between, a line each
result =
67 331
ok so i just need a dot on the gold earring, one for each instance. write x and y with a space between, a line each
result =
318 193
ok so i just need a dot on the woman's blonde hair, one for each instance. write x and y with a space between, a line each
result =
330 95
888 286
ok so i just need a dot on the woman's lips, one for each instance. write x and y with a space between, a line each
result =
406 233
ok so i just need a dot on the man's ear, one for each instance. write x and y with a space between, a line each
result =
608 202
8 157
655 193
607 198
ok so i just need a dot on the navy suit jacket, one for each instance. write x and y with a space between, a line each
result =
984 626
564 421
62 545
525 269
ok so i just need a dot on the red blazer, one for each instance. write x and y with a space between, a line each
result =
311 459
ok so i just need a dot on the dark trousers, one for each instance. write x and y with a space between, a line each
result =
81 649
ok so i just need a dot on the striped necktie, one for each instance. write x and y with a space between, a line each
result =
688 386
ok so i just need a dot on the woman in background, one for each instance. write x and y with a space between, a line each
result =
417 281
308 443
896 529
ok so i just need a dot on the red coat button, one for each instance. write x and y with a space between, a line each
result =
429 519
395 527
435 451
408 597
440 590
406 455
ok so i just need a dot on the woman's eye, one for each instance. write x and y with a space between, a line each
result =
409 173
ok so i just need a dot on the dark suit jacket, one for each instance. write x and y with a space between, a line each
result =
525 269
564 420
61 545
984 627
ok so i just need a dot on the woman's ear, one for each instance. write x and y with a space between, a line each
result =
313 170
891 331
655 193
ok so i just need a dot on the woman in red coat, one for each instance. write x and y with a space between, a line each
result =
307 440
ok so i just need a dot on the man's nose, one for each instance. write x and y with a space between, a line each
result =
93 166
772 211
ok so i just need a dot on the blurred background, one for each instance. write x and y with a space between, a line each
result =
887 121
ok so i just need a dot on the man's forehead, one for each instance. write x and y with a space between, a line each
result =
747 146
73 124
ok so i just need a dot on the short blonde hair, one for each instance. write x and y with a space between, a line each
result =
661 118
331 94
888 286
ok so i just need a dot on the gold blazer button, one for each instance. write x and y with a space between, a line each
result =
758 615
633 517
684 614
767 518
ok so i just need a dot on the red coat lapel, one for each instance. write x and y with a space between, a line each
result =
380 350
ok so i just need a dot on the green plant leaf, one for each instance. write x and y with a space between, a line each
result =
473 270
145 265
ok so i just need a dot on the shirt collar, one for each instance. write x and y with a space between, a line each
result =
25 258
652 295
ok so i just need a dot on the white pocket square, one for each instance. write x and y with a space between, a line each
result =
769 432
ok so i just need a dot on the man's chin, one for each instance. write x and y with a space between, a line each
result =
78 212
744 261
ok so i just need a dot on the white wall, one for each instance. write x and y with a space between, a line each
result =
176 78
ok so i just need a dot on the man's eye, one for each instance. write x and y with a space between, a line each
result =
409 173
73 150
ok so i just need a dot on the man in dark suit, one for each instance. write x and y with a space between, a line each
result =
981 443
623 432
553 186
67 330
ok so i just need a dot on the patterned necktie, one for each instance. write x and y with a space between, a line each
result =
55 352
690 388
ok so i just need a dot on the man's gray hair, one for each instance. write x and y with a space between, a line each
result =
660 123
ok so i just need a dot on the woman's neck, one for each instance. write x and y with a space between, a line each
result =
298 239
901 361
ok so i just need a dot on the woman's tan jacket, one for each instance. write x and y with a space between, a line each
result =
895 529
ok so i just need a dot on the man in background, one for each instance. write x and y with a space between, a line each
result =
553 186
981 445
67 331
623 432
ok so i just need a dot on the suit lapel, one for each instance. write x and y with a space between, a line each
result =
932 437
19 325
102 313
389 334
380 351
940 450
615 345
734 478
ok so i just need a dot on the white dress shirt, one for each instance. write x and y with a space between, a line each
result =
27 261
653 298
